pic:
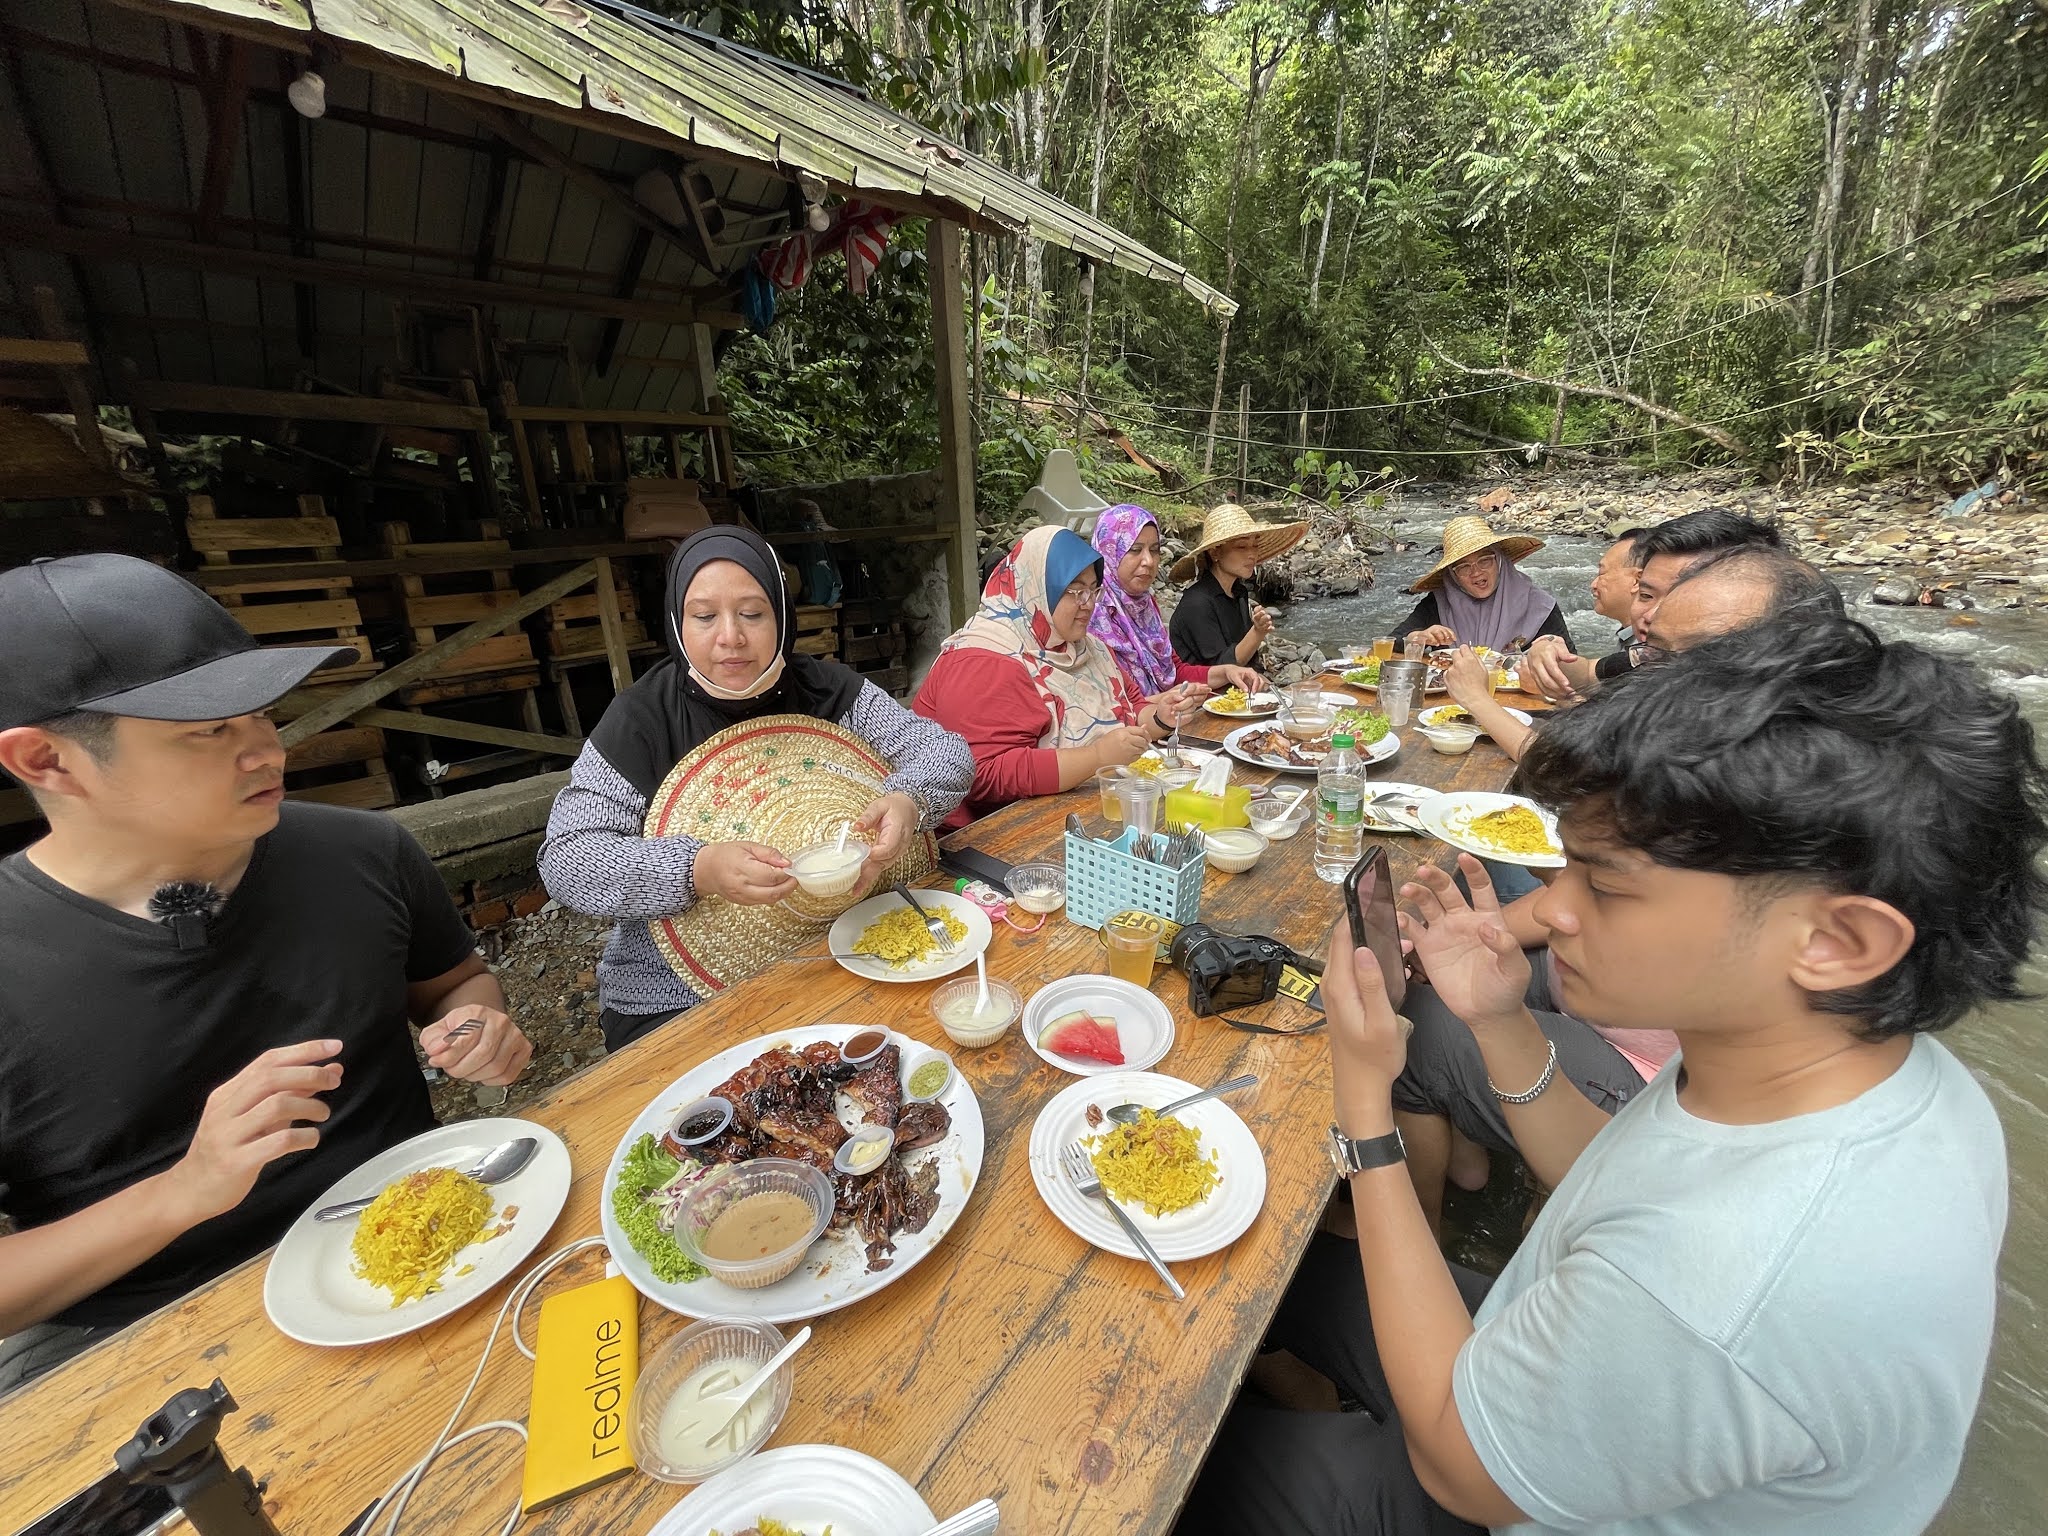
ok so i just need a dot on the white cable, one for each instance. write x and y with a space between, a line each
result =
408 1481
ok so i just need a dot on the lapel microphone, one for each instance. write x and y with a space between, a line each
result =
185 907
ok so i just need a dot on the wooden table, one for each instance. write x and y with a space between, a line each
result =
1016 1360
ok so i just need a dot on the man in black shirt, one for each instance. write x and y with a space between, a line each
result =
204 992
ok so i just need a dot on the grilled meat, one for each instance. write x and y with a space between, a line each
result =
922 1125
877 1088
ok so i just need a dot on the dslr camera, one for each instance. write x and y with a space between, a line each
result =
1227 970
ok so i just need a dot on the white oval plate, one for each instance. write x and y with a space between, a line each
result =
1215 1223
1262 704
1390 819
311 1290
805 1486
1448 817
1429 716
834 1273
1144 1025
846 930
1378 752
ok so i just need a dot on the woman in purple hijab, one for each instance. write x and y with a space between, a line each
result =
1476 595
1127 618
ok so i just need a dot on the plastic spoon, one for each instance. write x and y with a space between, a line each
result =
738 1398
845 827
980 992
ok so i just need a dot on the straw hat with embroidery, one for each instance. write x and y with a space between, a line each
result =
1230 521
1468 536
784 780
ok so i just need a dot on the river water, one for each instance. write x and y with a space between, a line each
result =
2004 1483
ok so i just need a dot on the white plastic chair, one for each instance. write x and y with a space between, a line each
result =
1060 499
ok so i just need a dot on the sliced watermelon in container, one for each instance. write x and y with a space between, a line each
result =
1082 1035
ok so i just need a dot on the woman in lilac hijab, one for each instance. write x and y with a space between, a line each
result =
1475 595
1127 618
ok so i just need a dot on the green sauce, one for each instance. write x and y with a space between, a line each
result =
928 1079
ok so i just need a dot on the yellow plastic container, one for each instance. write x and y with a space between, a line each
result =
1230 809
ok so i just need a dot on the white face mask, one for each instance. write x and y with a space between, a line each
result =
760 685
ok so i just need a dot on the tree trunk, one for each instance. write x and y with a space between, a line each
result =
1031 22
1243 164
1820 254
1720 437
1315 281
1095 209
1930 138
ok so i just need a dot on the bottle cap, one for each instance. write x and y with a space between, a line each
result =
1342 739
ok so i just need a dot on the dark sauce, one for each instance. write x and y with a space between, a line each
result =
863 1045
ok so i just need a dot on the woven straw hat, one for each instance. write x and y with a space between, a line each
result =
784 780
1230 521
1468 536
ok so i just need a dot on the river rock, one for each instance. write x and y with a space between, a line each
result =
1895 591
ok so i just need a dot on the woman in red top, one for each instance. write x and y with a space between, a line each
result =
1042 703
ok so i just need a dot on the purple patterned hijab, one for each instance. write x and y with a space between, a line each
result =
1128 623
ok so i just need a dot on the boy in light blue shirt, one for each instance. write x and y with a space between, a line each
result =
1761 1298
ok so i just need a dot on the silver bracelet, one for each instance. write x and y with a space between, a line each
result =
1543 1082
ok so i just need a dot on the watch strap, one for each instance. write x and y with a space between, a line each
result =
1355 1156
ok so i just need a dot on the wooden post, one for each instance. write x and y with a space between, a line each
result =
608 623
956 422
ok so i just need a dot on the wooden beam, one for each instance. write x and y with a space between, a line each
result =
299 405
608 623
328 572
414 669
597 415
228 98
85 410
956 421
34 352
110 247
629 279
494 209
522 138
468 730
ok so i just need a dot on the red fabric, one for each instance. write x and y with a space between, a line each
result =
1188 672
988 699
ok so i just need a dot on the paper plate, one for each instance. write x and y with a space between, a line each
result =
846 931
834 1272
784 780
1450 817
311 1290
1437 712
805 1486
1215 1223
1144 1024
1391 819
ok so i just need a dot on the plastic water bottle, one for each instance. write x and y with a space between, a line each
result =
1340 810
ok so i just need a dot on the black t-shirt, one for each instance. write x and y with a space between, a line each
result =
1208 623
111 1036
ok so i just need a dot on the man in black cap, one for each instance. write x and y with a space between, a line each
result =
204 991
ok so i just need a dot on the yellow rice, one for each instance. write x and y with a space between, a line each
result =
1514 830
899 936
415 1226
769 1527
1156 1163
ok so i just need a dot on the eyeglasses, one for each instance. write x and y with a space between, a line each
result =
1083 595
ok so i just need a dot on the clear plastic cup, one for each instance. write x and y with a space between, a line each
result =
953 1007
746 1347
1141 797
1107 782
720 1192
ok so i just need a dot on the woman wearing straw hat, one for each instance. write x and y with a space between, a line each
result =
1041 701
731 658
1474 595
1217 623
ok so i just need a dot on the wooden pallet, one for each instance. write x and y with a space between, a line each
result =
431 607
875 643
817 630
573 631
345 765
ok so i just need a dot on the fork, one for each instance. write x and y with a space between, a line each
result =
932 925
978 1519
1081 1174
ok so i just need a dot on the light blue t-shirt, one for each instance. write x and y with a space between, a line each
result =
1733 1330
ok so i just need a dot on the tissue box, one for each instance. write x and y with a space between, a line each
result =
1232 808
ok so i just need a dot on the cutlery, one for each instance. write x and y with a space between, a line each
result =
494 1167
978 1519
1081 1174
736 1399
1127 1114
932 925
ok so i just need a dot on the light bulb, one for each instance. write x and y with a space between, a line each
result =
307 94
818 218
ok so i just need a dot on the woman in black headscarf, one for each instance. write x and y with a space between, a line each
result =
731 657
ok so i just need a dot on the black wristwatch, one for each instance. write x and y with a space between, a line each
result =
1352 1156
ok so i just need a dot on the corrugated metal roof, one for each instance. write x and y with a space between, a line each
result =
561 57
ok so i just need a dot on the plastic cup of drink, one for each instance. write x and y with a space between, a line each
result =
1106 783
1383 648
1129 953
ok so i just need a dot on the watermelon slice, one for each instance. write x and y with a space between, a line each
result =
1080 1034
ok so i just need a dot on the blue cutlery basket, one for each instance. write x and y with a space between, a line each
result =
1107 878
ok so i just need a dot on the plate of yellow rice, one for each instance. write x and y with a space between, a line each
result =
883 940
1506 828
1192 1184
431 1242
802 1488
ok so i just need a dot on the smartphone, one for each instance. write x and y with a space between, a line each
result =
1369 903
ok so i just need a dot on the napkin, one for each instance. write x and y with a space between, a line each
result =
1213 777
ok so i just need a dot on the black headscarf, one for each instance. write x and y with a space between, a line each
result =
651 726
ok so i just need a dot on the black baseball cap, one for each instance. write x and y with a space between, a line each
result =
119 636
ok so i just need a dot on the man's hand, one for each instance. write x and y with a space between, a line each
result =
1473 961
1237 677
1262 621
1543 668
892 820
494 1052
1368 1040
1436 634
251 1120
746 874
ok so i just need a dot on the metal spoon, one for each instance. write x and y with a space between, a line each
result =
1127 1114
494 1167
